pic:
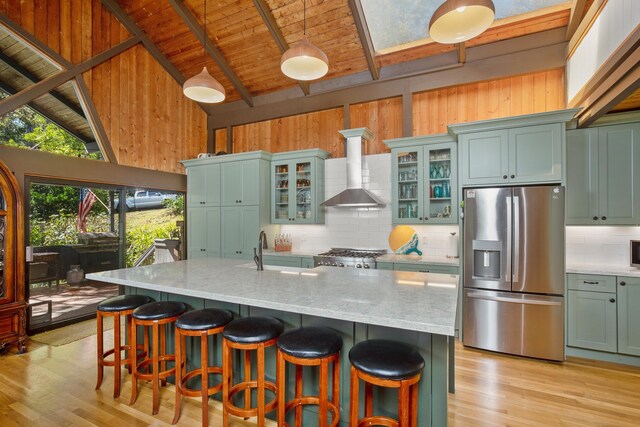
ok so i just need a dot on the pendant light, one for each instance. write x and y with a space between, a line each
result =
456 21
304 60
202 87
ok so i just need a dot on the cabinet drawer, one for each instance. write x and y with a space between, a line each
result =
282 261
592 282
384 265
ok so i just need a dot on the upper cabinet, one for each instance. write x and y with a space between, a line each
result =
518 150
424 180
204 185
602 175
297 187
239 183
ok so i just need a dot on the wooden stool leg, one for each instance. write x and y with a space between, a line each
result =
368 399
132 347
204 369
163 350
403 405
100 349
227 368
155 367
324 393
247 378
414 405
335 394
116 355
261 404
298 395
355 397
133 362
281 384
179 363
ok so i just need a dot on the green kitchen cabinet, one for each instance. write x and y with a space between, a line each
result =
629 315
307 262
592 320
381 265
203 233
602 174
203 183
424 180
239 183
426 268
240 229
282 260
297 187
521 155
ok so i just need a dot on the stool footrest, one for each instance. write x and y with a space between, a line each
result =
378 421
123 361
161 374
313 400
251 412
192 392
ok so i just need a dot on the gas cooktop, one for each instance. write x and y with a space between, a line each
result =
346 257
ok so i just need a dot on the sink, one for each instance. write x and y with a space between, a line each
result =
252 265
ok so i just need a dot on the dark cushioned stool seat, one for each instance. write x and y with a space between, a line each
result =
123 302
386 359
206 318
159 310
310 343
250 330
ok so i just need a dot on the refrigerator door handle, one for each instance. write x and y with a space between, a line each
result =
509 203
516 238
484 296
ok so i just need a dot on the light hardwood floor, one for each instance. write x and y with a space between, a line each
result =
54 386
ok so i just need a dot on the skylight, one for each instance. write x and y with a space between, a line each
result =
393 23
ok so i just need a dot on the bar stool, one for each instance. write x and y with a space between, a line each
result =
385 364
154 315
312 346
122 305
199 323
247 334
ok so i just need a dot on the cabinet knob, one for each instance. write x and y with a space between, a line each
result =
595 218
504 176
426 218
623 284
604 218
612 300
420 218
513 176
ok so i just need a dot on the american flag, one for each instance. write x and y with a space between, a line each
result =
87 199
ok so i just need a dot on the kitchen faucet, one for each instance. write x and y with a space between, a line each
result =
262 244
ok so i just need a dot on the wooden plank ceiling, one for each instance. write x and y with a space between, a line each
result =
239 32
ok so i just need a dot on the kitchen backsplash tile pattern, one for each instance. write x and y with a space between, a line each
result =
600 245
360 228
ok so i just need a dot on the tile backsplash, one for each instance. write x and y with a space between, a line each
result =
362 228
600 245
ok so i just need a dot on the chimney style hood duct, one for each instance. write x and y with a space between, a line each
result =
355 196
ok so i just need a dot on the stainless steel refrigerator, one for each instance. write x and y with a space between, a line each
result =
513 272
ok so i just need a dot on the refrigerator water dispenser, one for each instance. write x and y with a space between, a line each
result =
486 259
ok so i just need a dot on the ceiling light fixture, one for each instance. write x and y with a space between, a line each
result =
304 60
456 21
202 87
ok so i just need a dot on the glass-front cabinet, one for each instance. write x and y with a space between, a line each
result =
424 175
297 187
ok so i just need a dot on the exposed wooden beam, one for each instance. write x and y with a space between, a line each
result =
35 79
32 92
11 91
200 33
39 47
577 12
365 37
585 25
616 94
462 52
94 121
276 33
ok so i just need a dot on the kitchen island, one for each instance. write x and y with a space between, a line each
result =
417 308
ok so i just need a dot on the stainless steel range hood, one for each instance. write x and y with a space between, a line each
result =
355 196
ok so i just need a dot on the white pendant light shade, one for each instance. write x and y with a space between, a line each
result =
204 88
304 61
456 21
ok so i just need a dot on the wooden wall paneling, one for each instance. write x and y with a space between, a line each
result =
509 96
383 117
221 140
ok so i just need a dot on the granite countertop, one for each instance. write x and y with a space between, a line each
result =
417 259
607 270
424 302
